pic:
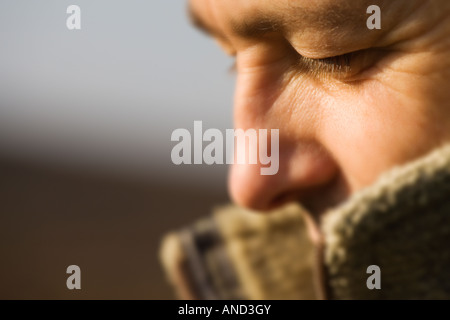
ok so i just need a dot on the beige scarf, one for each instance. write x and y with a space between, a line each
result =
400 224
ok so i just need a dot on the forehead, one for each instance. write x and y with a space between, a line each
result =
311 23
324 12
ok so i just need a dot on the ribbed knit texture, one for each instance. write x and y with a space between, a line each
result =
402 224
242 255
271 253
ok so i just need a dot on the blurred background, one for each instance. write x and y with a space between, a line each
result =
86 118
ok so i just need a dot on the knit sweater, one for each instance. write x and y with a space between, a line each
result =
401 224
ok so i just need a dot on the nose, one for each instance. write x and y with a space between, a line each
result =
305 174
306 168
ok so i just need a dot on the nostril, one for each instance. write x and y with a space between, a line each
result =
307 174
279 201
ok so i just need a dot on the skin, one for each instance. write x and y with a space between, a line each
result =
338 130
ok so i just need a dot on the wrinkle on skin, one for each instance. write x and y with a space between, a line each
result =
337 134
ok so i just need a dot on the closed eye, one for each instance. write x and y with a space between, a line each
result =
333 66
344 67
337 65
340 63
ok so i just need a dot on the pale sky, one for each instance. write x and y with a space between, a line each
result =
108 96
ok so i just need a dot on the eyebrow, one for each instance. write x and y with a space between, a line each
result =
256 28
327 19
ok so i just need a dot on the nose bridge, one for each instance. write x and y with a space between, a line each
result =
304 164
252 102
265 102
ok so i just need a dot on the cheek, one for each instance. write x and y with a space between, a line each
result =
366 130
371 131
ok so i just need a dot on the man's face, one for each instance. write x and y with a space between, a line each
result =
349 102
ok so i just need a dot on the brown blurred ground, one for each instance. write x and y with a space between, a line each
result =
111 227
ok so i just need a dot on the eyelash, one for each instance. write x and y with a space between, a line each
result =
335 66
337 62
343 67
